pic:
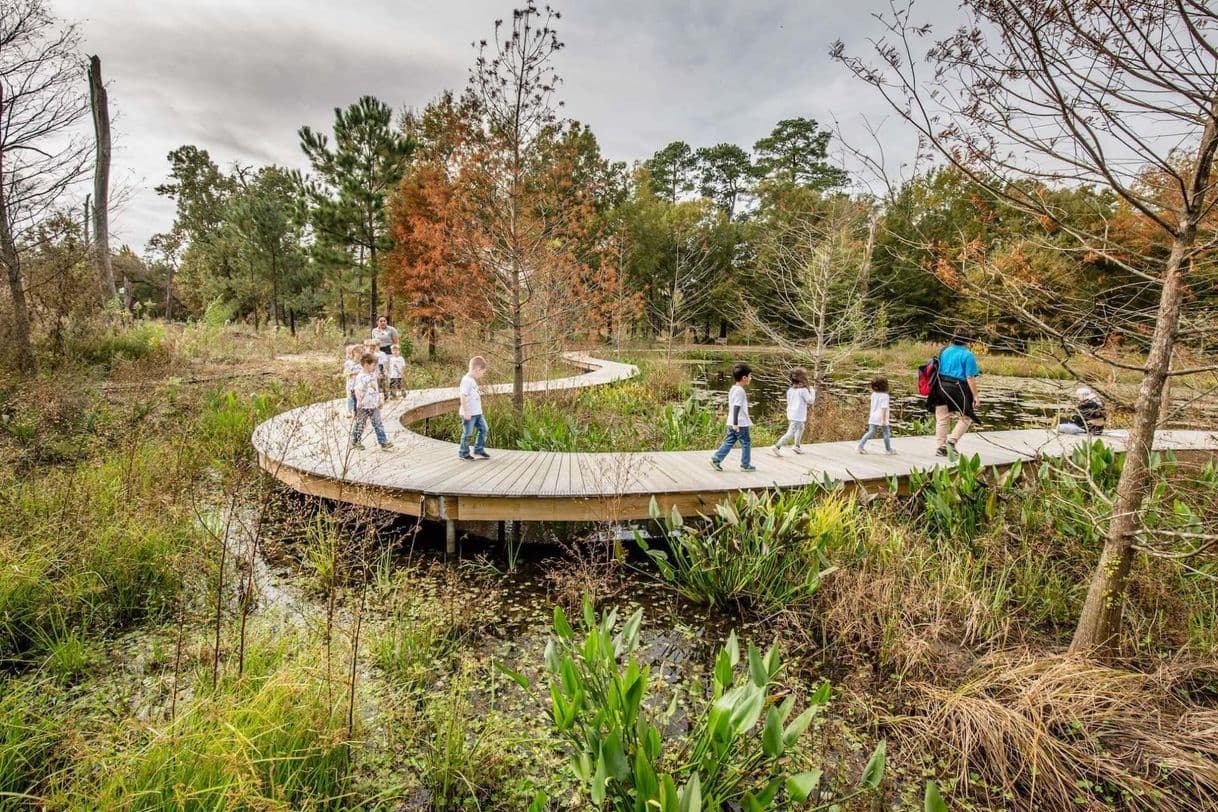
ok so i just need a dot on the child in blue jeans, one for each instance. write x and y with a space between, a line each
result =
878 420
738 422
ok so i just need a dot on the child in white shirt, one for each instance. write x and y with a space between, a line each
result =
397 370
878 419
368 404
472 419
799 397
738 422
350 370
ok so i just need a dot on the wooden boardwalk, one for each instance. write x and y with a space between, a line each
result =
309 450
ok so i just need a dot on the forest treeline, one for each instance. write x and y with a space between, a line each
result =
438 218
694 242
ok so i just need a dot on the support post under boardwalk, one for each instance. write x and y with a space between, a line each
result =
450 537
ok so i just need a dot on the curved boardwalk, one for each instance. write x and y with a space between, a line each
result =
308 449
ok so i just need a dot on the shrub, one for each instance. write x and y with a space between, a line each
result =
760 551
599 707
961 500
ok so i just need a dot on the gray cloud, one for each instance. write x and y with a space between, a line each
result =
240 78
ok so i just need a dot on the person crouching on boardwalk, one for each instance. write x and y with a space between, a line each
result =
472 419
880 416
397 370
799 397
738 422
368 404
954 392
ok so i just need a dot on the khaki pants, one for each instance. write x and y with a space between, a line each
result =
942 416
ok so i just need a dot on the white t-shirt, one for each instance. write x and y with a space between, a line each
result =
367 391
473 398
738 397
397 366
879 409
350 370
799 398
382 362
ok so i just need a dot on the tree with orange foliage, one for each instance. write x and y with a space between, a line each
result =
524 197
423 267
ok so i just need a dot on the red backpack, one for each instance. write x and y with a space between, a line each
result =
928 375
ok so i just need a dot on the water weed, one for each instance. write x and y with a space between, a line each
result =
759 552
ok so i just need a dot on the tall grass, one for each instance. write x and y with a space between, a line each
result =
266 739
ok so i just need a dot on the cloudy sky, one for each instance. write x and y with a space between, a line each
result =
239 77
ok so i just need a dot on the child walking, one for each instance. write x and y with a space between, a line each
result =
350 370
397 369
471 412
878 420
799 397
738 422
368 404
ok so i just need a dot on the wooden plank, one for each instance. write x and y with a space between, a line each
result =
307 449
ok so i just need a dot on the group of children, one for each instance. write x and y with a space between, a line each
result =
800 395
369 371
372 376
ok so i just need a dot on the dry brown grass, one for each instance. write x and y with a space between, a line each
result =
907 607
1064 733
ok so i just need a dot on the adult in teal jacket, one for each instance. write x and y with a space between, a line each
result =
954 392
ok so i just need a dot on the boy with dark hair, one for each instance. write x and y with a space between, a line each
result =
738 422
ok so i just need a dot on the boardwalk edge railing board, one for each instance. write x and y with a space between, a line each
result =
309 450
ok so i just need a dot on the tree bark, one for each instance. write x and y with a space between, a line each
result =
101 179
23 348
1099 623
1098 630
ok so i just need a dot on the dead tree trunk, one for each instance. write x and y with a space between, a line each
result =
101 179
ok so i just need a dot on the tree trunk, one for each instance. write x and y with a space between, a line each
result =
12 269
517 350
169 292
431 340
1099 623
723 328
372 299
101 179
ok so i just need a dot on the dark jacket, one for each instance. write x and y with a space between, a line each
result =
1090 415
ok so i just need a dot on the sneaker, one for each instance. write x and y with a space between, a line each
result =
777 451
716 464
358 446
482 455
748 467
862 450
796 450
890 452
386 446
941 452
466 457
951 449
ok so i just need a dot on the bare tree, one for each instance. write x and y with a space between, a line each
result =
41 104
813 271
688 287
1033 95
509 231
100 103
